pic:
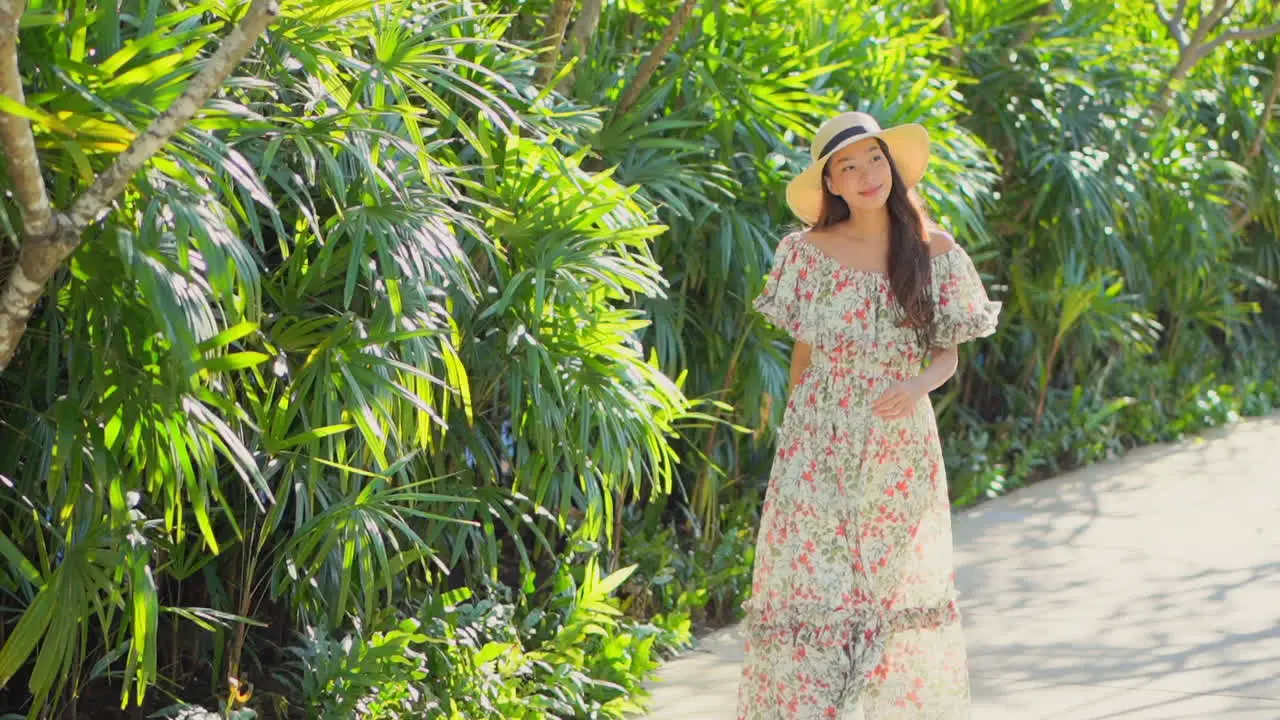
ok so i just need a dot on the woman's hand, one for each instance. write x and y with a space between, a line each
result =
900 400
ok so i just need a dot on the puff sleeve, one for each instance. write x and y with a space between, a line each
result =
963 310
787 296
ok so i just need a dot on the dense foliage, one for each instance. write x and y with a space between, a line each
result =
401 384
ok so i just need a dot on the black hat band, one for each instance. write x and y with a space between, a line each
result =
840 137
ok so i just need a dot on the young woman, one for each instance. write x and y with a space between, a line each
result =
853 611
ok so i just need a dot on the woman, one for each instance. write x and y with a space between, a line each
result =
853 610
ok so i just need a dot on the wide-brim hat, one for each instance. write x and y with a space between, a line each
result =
908 146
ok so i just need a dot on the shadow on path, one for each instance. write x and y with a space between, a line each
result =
1145 588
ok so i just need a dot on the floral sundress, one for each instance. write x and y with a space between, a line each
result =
853 612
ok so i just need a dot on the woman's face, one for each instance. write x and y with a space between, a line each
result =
860 174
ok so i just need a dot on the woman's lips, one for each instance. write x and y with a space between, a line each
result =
872 192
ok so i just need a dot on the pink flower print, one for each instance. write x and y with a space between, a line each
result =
852 528
804 561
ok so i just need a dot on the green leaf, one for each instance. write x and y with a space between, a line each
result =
233 361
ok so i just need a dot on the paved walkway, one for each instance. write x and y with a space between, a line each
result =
1146 588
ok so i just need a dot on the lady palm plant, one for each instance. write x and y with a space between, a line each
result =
387 317
713 139
322 356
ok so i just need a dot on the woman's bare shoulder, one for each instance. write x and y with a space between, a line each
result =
808 234
820 238
939 241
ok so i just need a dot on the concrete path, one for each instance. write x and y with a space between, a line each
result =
1146 588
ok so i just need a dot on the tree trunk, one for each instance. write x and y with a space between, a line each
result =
650 65
942 9
582 33
49 237
1177 75
1033 25
1245 215
1267 112
553 35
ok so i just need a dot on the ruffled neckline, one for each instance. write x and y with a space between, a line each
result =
838 266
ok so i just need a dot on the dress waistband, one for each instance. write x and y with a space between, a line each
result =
855 366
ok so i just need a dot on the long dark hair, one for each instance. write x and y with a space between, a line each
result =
910 270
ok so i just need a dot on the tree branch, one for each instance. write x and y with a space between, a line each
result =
1259 33
650 64
1221 9
1173 22
1208 24
15 132
54 235
93 202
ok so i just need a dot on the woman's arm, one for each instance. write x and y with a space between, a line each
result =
901 399
800 357
942 366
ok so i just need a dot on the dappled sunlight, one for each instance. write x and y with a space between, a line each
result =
1140 588
1157 572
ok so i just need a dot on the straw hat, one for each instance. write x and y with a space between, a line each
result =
908 146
